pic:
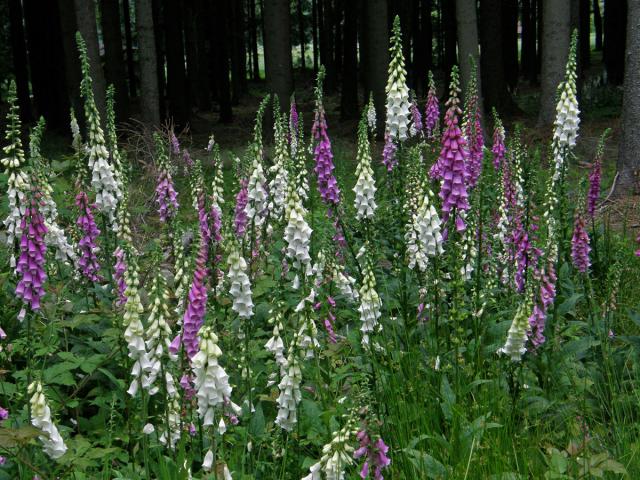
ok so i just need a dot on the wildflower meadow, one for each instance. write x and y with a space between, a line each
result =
449 303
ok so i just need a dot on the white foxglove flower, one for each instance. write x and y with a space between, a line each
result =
365 188
240 286
398 113
297 233
337 455
207 463
290 394
514 347
174 420
211 381
371 114
159 332
52 442
424 237
279 184
275 345
256 207
369 304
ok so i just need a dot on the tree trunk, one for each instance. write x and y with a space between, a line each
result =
349 98
585 34
238 52
113 54
628 158
615 15
492 61
422 44
86 18
253 34
221 55
158 32
128 38
337 43
449 32
377 55
468 44
597 24
529 56
277 50
510 42
149 91
191 49
176 75
202 16
555 50
68 28
327 44
19 53
301 39
314 32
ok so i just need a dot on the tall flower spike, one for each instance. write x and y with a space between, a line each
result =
450 166
240 286
293 126
389 159
290 394
365 188
31 264
240 219
473 129
416 118
370 302
371 115
432 111
336 456
52 443
580 245
398 114
257 196
166 195
279 182
119 170
498 149
88 260
17 179
595 176
159 331
103 180
514 347
297 232
327 184
424 238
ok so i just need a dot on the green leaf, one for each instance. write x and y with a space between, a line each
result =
448 398
257 423
569 304
426 465
60 374
15 437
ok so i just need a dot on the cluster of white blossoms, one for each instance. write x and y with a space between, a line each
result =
211 381
181 279
424 237
17 180
297 232
134 330
240 286
217 185
370 303
159 332
514 347
398 114
337 455
275 345
365 188
256 207
279 184
103 178
307 337
469 254
52 442
112 138
290 394
371 114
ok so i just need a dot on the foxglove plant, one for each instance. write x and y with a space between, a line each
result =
327 183
297 233
290 394
515 347
17 179
371 115
580 247
279 183
595 177
398 114
370 302
257 196
498 149
112 139
293 127
87 246
240 285
424 239
52 442
375 454
166 195
365 188
546 295
473 130
103 179
31 263
241 219
336 456
432 111
389 159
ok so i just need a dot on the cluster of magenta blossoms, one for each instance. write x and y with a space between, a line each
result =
595 177
432 110
546 296
375 455
451 165
241 219
87 258
31 263
389 159
475 141
167 197
498 149
119 270
580 247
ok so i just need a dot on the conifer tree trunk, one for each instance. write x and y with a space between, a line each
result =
114 57
86 19
555 50
158 32
301 32
19 53
615 15
128 38
277 50
529 30
238 52
338 11
314 32
510 42
377 55
349 98
597 23
468 44
628 158
221 56
327 46
585 33
191 49
253 29
68 29
149 89
449 33
178 101
202 26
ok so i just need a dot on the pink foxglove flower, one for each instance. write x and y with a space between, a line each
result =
375 455
242 199
88 260
498 148
118 276
546 296
389 159
432 111
580 245
595 177
197 303
31 263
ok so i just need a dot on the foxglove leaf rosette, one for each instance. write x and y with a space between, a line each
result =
52 442
398 114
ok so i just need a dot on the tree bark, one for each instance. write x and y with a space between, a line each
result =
86 18
68 28
221 55
19 54
327 44
253 40
301 39
628 158
158 32
597 23
277 50
423 44
238 51
615 14
314 32
585 34
468 43
149 91
529 56
349 98
510 42
449 33
377 55
191 49
176 76
128 38
555 50
113 54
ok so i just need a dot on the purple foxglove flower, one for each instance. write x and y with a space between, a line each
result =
197 303
595 177
389 159
118 276
87 261
416 117
522 246
188 161
475 142
186 382
4 413
432 111
242 198
293 118
327 183
167 197
31 263
580 245
498 148
175 145
546 296
375 455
